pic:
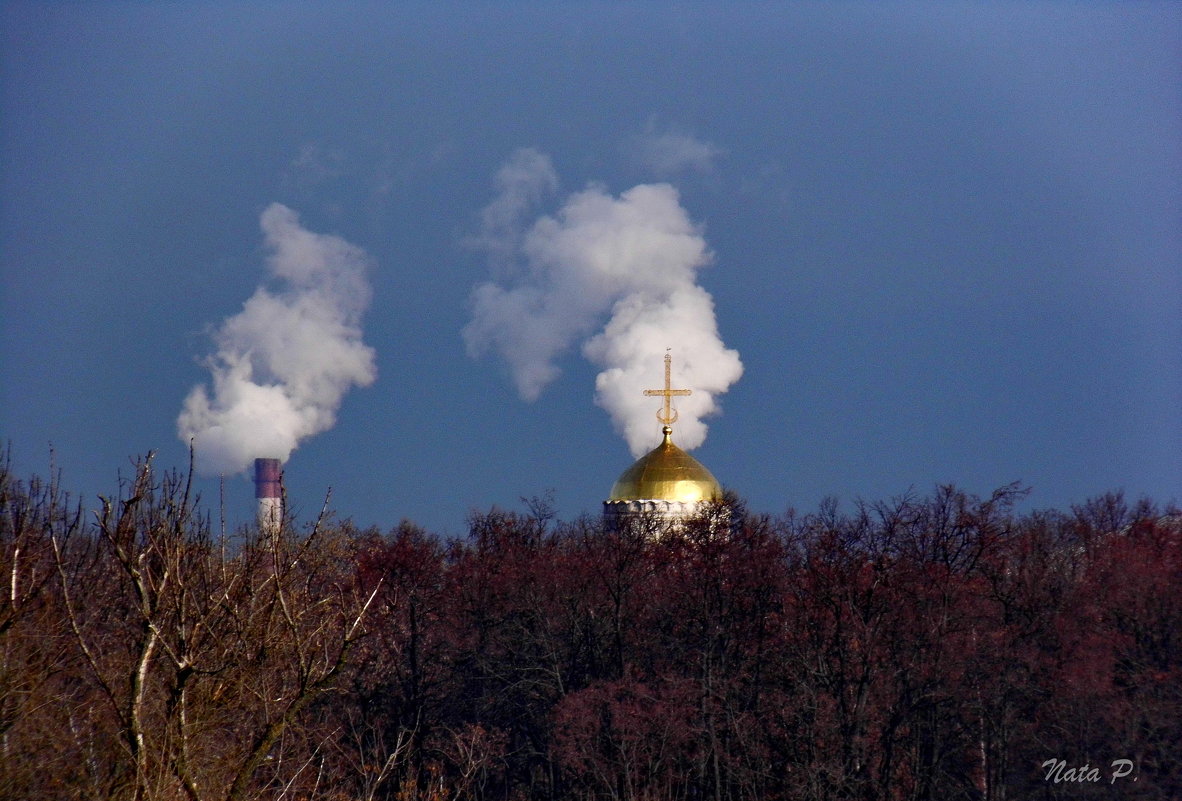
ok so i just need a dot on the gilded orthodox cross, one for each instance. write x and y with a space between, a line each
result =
668 415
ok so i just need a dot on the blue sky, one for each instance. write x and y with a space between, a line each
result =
945 240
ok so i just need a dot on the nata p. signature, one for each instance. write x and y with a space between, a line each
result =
1059 771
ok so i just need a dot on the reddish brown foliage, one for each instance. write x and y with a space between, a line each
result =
925 648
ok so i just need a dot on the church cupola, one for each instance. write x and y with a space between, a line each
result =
666 483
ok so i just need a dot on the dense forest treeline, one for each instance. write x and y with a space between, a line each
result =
939 647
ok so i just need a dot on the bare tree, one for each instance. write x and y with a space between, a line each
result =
206 658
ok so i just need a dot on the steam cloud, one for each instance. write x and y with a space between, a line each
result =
633 259
285 361
671 152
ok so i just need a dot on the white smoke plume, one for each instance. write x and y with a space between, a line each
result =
670 152
286 360
632 260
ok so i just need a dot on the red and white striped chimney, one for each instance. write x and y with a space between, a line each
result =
267 491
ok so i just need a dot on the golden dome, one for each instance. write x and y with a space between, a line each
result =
666 473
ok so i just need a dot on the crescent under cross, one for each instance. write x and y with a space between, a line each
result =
667 414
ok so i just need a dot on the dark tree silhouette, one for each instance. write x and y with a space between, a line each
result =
938 647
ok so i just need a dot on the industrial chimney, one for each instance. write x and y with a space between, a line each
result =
267 476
